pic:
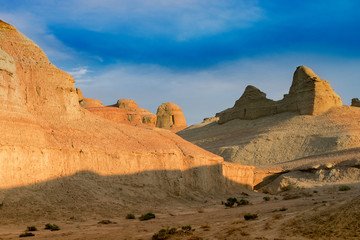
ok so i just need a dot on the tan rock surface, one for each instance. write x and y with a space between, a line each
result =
279 138
308 95
125 111
46 135
170 116
90 103
80 95
128 104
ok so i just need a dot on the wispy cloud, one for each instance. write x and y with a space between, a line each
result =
202 93
79 73
180 20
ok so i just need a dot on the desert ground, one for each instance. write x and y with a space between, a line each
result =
314 213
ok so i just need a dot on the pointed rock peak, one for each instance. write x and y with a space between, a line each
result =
2 23
253 93
308 95
303 80
305 72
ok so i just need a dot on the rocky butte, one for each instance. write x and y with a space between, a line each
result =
309 122
169 115
308 95
123 111
46 135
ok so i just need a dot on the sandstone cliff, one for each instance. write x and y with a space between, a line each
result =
308 95
45 134
170 116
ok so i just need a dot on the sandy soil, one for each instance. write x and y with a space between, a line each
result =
307 211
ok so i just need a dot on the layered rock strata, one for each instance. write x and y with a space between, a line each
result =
308 95
45 134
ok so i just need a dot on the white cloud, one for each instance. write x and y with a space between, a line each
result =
181 20
36 29
202 93
79 73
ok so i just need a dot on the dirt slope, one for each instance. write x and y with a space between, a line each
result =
279 138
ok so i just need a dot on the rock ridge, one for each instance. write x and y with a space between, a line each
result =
308 95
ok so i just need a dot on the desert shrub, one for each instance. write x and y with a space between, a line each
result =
230 202
27 234
186 228
106 222
267 198
283 209
164 234
130 216
344 188
315 191
243 202
250 216
52 227
146 216
31 229
160 235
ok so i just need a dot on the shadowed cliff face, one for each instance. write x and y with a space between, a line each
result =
308 95
89 194
47 135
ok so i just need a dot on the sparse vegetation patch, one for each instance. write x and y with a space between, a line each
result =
130 216
164 234
52 227
344 188
232 201
31 229
27 234
147 216
250 216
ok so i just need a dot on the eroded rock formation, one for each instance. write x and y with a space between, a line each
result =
170 116
46 135
308 95
126 111
355 102
90 103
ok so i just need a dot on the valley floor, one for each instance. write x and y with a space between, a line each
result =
317 213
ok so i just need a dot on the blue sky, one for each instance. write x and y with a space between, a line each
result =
197 54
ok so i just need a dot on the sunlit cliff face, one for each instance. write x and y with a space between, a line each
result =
45 134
